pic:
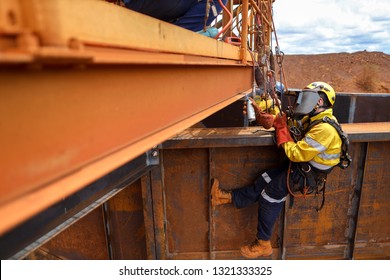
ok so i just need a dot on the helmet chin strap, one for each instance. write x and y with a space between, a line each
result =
315 110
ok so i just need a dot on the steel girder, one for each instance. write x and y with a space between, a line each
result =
87 86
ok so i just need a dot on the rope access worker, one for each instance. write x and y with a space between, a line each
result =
310 159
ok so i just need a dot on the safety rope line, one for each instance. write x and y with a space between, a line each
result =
279 57
206 15
305 194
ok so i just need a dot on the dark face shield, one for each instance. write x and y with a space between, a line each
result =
305 102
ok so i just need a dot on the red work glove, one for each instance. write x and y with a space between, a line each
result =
264 119
281 130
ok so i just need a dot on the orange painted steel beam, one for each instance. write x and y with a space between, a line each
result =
86 86
63 128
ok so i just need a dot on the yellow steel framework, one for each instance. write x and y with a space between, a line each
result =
86 86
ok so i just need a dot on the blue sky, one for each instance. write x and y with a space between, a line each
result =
332 26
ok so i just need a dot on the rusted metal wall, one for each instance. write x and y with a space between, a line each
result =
167 213
85 239
115 230
125 221
194 229
373 231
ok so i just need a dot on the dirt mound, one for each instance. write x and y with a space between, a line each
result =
346 72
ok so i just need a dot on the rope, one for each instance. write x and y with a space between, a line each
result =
305 188
279 56
206 15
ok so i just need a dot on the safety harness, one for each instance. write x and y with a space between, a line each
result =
304 180
345 158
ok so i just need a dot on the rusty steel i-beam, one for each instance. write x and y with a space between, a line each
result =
83 91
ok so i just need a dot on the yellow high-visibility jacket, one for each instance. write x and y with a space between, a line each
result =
321 146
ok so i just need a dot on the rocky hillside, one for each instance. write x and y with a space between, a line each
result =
346 72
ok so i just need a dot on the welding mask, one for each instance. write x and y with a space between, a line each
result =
305 103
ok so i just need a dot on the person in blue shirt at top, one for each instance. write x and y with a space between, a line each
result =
189 14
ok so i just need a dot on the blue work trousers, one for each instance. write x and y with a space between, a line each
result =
269 190
189 14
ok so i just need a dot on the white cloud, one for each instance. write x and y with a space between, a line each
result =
326 26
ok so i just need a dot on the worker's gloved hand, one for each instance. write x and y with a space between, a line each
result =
264 119
281 130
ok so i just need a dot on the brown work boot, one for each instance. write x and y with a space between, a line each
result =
258 248
219 196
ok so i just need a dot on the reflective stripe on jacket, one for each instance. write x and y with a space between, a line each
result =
321 146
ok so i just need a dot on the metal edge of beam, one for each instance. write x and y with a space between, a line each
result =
101 55
366 94
147 200
257 136
211 208
159 210
355 202
368 132
219 140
